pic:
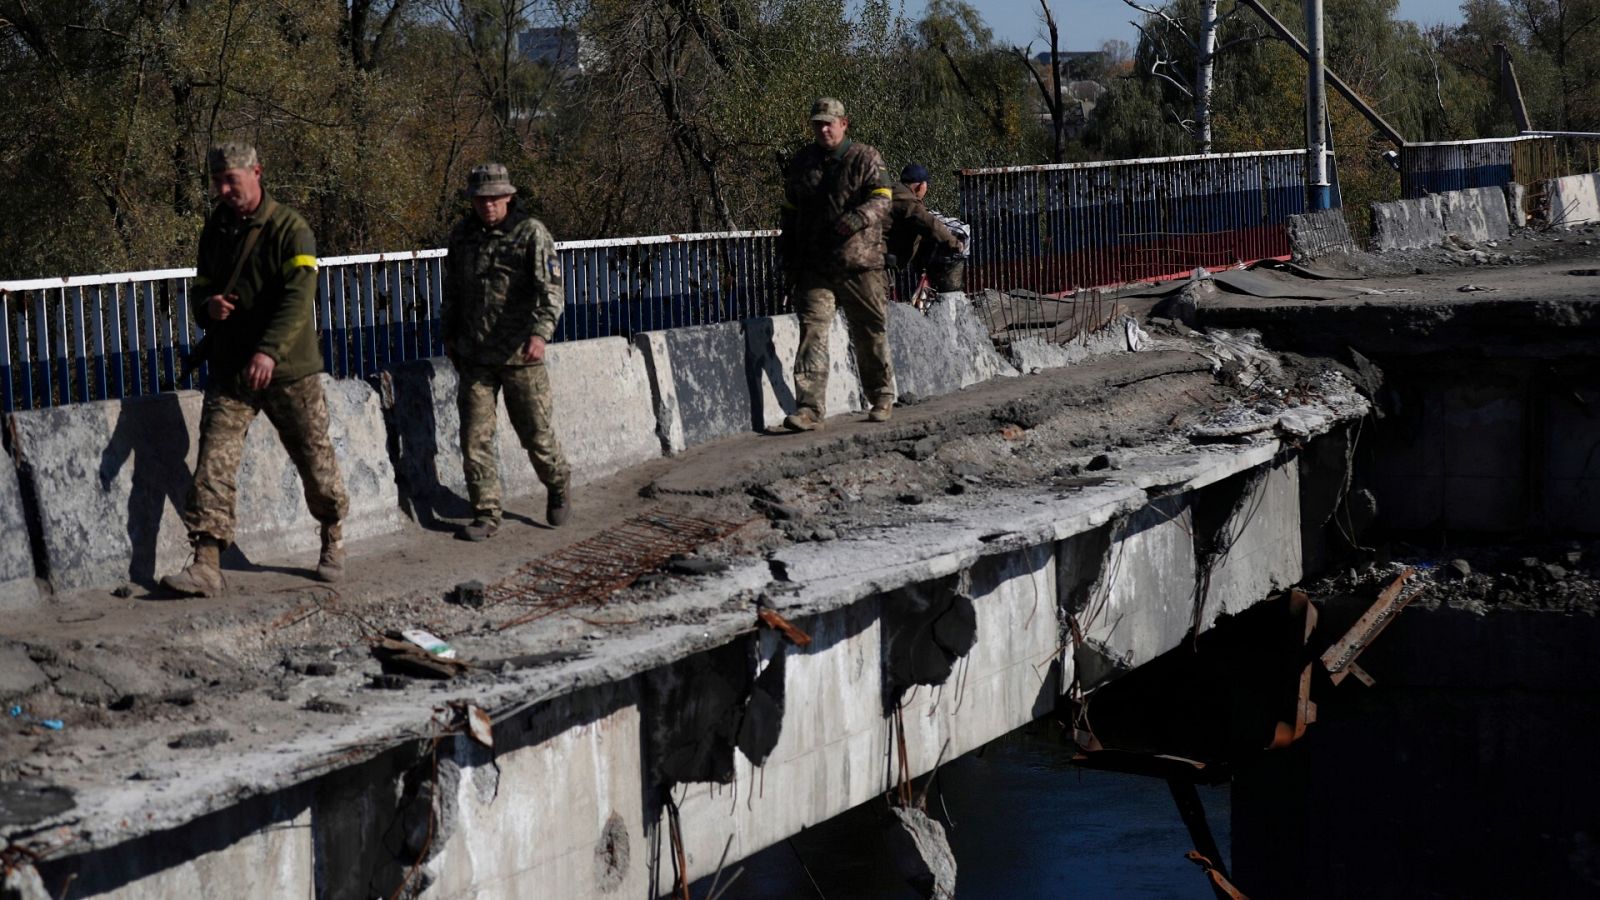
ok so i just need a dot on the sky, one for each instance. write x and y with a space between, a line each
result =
1086 24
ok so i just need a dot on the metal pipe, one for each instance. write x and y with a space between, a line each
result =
1316 109
1378 122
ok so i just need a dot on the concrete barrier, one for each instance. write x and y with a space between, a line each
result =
604 418
110 478
1476 214
698 378
1407 224
943 350
712 381
1318 233
771 345
1517 204
1574 200
17 588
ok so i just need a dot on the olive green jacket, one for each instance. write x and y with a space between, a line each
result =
836 203
274 312
502 285
914 232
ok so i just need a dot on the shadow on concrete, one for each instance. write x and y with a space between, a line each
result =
413 429
761 359
122 865
152 434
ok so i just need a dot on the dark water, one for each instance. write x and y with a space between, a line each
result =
1027 824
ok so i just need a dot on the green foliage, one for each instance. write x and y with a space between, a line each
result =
368 113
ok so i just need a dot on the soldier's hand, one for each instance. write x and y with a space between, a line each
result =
219 306
535 349
846 225
258 374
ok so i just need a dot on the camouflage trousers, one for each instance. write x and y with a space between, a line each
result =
862 297
299 411
528 405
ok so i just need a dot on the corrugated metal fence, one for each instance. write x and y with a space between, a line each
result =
1056 228
66 340
1529 159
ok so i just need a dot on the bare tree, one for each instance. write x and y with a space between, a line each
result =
1203 46
1052 91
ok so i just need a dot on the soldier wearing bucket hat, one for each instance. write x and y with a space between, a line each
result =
836 202
503 295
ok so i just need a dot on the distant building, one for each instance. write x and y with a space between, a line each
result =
1076 64
562 49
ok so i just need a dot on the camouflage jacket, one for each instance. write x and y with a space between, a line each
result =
914 233
274 312
825 190
502 285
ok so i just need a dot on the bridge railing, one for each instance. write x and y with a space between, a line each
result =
98 337
1529 159
1056 228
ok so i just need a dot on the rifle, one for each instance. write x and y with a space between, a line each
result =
201 351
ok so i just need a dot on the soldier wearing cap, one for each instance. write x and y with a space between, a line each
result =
836 202
917 239
502 299
255 287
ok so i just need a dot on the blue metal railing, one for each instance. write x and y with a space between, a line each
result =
1056 228
1528 159
67 340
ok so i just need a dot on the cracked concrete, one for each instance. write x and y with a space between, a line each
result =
1063 455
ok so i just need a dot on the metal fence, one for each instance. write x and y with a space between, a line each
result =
1056 228
1529 159
67 340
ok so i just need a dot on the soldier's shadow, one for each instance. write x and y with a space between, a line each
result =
152 434
414 448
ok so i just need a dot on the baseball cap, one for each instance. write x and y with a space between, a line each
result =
827 109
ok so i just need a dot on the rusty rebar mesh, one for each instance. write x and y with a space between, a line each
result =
1057 320
589 572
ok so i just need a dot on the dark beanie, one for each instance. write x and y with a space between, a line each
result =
913 174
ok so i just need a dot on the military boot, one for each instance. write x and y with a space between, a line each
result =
202 577
482 528
804 419
558 508
330 565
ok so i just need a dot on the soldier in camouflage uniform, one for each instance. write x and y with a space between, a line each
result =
503 297
836 202
262 347
917 240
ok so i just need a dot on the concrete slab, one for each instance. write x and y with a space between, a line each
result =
1476 214
1037 354
1517 204
1573 200
1319 233
1258 560
554 811
1408 224
18 591
702 389
771 344
604 416
942 350
110 478
830 754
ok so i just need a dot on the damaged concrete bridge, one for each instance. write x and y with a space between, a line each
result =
745 634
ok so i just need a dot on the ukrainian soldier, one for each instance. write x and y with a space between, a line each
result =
836 202
917 239
503 297
254 293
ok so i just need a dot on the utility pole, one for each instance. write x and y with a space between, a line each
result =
1316 110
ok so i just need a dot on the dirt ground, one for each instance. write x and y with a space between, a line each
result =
140 686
